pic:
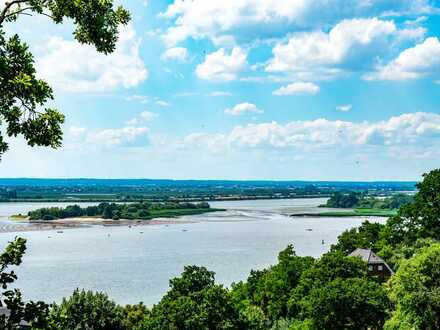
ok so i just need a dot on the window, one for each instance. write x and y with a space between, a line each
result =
380 267
370 268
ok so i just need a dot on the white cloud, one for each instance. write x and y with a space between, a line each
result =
220 93
417 33
344 108
243 18
120 137
413 63
243 108
138 98
414 129
176 54
145 116
349 45
77 132
148 116
219 66
298 88
162 104
74 67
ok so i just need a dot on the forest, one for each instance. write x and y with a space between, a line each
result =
367 201
128 211
336 291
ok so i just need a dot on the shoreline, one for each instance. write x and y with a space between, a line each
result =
74 223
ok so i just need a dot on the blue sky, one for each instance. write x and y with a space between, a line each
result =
244 89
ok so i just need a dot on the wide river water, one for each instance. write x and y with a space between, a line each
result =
135 264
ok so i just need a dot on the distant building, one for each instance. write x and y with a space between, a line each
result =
376 265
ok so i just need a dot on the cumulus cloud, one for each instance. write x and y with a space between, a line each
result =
90 71
243 108
145 116
239 19
119 137
349 45
344 108
416 129
298 88
176 54
412 63
220 66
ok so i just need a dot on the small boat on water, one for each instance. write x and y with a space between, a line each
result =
60 231
309 229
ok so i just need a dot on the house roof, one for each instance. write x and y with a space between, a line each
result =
369 257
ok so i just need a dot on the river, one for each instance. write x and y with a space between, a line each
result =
135 264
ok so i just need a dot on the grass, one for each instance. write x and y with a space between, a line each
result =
18 217
360 212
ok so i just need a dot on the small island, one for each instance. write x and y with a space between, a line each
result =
354 204
127 211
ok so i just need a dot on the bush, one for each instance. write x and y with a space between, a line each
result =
86 310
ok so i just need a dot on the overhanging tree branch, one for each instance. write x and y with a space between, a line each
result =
8 6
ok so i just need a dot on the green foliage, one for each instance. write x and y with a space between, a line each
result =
366 236
194 302
415 290
420 219
34 313
361 201
354 303
342 200
86 311
120 211
22 95
134 316
330 267
270 289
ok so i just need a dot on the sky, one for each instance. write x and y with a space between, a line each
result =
244 89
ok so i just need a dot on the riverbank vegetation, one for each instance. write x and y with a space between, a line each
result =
336 291
360 212
131 211
362 204
354 200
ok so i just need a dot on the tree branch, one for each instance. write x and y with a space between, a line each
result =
4 14
19 12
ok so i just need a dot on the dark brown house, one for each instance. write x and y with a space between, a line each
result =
376 265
